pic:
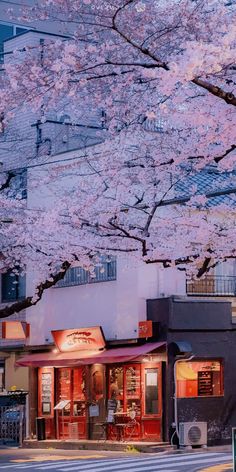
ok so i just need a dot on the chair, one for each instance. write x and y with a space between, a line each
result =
120 424
131 424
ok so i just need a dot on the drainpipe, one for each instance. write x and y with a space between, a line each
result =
183 359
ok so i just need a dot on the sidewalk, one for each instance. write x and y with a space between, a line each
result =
131 446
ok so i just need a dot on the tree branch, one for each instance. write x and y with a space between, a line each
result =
228 151
143 50
204 268
228 97
31 301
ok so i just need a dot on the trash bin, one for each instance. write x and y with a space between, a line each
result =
40 429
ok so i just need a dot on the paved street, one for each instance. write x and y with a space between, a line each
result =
63 461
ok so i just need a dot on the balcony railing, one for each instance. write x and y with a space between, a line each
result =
103 272
211 286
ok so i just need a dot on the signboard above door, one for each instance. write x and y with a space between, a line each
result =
79 339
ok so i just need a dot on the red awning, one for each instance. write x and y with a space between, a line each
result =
73 359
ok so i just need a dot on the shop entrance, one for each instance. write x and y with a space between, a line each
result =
136 390
151 422
97 408
71 420
121 401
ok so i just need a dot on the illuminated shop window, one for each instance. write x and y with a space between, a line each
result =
199 379
125 388
13 286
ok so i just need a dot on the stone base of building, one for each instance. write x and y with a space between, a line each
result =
125 446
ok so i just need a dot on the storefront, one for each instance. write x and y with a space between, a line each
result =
86 393
201 374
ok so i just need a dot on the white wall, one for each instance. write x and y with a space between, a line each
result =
117 306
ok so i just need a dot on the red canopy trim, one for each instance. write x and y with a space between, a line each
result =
73 359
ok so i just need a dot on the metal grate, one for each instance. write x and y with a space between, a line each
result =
213 286
12 424
103 272
194 434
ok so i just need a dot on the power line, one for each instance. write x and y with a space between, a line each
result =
49 163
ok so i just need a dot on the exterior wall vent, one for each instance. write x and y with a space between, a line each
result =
193 434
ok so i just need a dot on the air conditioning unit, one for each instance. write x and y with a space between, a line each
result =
193 434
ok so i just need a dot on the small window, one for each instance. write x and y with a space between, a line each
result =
20 30
199 379
6 32
13 286
151 391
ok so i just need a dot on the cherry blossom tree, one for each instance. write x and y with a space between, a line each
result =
163 75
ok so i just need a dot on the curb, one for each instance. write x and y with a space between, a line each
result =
218 468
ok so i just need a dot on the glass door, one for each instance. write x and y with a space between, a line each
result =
151 401
71 420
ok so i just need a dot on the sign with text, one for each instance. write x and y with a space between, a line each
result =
15 330
145 329
45 391
205 383
62 404
81 339
94 410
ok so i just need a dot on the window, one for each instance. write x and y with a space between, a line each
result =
125 388
6 32
151 392
13 286
71 386
18 185
105 271
199 379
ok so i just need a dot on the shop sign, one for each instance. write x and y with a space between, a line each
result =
46 391
145 329
62 404
15 330
93 410
81 339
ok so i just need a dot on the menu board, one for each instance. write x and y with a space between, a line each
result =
46 391
205 383
132 381
111 409
64 387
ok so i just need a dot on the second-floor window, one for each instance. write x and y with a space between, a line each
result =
105 271
13 287
7 31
